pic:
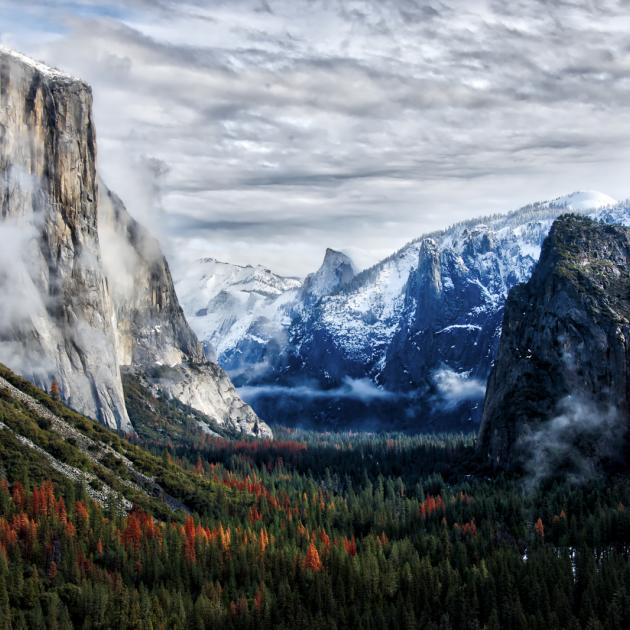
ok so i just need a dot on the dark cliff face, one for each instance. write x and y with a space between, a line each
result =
565 341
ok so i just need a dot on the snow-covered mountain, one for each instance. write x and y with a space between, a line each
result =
226 303
409 341
243 314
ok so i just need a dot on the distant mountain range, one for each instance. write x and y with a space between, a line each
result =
407 343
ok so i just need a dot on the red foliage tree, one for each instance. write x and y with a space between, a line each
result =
350 545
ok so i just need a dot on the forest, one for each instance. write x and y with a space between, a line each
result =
314 530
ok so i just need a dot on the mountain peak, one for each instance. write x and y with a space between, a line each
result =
336 271
583 200
334 256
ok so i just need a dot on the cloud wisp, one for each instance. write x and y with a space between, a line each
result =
574 443
454 388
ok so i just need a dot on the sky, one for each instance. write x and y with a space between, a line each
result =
264 131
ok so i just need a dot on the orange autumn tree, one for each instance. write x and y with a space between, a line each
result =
312 560
55 392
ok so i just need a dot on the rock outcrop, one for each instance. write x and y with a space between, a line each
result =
150 325
86 288
564 354
153 338
337 271
55 318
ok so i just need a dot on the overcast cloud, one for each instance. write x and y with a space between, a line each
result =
267 130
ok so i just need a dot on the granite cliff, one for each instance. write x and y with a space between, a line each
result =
87 289
561 381
56 314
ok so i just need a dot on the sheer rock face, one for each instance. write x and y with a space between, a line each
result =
336 271
566 333
85 288
448 319
55 322
153 337
150 324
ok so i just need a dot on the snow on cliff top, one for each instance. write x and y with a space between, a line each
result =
42 68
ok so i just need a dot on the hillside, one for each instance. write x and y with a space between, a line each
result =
42 439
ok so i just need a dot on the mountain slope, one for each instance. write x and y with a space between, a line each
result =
50 441
563 367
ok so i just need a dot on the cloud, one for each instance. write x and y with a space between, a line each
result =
454 388
355 125
356 389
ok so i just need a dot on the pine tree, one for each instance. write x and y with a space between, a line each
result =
5 608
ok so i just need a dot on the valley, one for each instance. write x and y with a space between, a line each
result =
439 441
309 530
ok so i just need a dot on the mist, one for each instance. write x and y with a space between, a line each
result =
576 443
355 389
454 388
23 307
